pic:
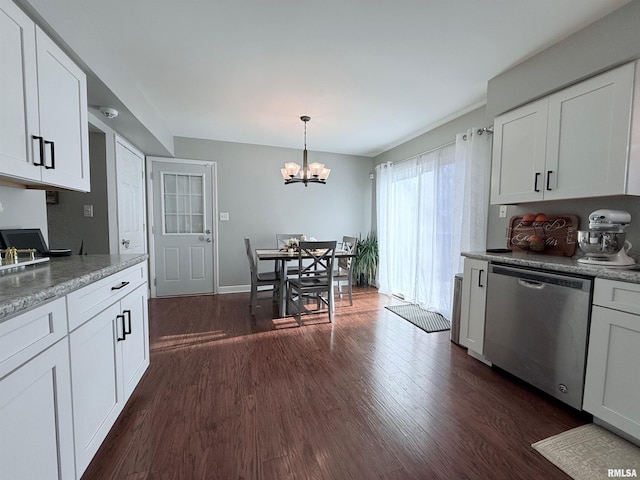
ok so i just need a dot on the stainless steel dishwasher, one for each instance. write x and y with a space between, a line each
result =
537 327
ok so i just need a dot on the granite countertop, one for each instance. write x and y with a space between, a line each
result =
559 264
39 283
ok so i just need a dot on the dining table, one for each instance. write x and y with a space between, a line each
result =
284 256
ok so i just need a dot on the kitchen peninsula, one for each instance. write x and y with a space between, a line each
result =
74 343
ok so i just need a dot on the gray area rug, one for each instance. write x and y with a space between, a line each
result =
427 321
590 452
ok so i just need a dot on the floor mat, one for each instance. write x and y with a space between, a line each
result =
427 321
591 452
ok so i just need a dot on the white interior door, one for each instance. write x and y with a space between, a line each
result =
131 199
183 212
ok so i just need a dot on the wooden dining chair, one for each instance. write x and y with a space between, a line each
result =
315 279
259 279
344 271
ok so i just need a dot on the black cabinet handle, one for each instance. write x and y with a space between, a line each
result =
549 172
41 142
122 285
121 317
53 155
480 278
535 184
128 314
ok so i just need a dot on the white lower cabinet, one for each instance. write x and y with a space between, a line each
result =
109 354
612 384
98 397
135 347
36 434
474 300
67 369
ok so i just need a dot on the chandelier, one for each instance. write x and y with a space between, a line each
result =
310 172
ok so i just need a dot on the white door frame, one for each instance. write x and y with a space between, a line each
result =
150 207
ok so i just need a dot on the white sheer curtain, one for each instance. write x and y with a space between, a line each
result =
471 206
422 207
414 205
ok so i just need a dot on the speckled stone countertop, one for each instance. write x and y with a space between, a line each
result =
39 283
559 264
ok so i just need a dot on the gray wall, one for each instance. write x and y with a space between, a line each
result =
434 138
23 209
68 227
613 40
606 43
251 189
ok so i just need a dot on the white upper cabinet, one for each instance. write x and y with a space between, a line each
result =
43 108
519 148
64 127
19 98
572 144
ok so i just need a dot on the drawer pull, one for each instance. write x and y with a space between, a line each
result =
40 150
53 155
127 331
535 183
124 334
122 285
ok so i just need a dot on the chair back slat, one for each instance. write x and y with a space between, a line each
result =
282 239
250 257
349 244
315 259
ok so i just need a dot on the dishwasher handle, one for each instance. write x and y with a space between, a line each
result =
542 277
530 284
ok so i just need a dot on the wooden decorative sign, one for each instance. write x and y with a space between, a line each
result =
555 235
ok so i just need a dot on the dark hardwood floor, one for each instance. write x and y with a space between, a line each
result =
230 396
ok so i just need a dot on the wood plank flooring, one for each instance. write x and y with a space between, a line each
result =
231 396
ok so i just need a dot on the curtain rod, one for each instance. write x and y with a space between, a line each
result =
426 152
480 131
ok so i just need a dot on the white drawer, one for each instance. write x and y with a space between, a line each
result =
27 334
92 299
623 296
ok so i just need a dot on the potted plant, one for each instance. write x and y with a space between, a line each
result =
365 262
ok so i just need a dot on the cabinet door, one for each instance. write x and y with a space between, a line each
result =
519 144
589 129
36 435
18 98
135 347
97 385
132 211
472 309
62 92
612 384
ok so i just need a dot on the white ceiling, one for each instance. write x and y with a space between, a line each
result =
371 74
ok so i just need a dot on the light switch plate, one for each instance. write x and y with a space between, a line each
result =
88 210
224 216
503 211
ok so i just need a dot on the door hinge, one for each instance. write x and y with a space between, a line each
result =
155 283
153 229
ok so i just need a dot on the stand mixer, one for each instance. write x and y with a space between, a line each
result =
605 242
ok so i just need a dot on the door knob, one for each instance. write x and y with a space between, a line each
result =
208 239
125 243
207 231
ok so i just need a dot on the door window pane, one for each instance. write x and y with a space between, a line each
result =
183 203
